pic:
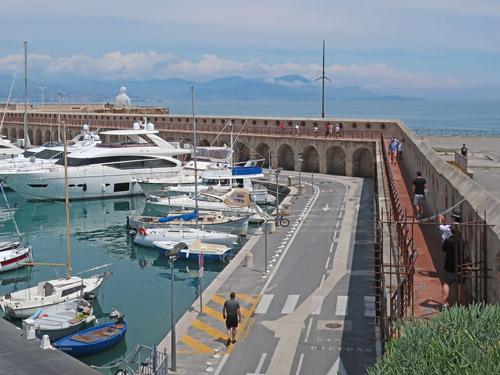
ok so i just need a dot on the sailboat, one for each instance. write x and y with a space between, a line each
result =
13 256
24 303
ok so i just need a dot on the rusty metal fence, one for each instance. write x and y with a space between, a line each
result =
395 276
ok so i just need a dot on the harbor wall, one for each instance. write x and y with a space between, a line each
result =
448 187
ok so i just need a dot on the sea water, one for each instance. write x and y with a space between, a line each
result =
480 115
140 285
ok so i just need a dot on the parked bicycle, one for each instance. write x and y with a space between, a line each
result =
283 221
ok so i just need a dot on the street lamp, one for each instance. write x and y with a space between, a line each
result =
301 152
269 162
172 256
278 171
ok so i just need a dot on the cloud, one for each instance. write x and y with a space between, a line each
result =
145 66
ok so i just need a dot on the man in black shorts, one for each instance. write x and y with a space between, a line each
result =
232 313
419 186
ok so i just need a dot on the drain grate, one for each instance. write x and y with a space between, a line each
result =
333 325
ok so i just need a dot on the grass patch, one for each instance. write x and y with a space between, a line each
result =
442 149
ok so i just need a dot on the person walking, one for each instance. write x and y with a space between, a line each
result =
393 149
419 188
464 150
457 254
282 127
401 147
337 131
232 313
446 228
297 129
327 130
316 131
330 129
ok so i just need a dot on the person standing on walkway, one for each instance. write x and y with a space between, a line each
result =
401 147
327 130
232 313
282 127
297 129
457 251
446 228
464 150
393 149
419 187
316 131
337 131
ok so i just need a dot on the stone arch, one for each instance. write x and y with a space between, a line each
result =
5 133
310 160
286 158
262 151
21 134
204 143
48 136
241 152
362 163
38 137
13 134
335 161
30 135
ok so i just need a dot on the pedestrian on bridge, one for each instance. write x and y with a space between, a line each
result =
297 130
393 149
327 130
316 131
419 188
232 313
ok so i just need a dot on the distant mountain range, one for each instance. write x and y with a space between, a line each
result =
291 87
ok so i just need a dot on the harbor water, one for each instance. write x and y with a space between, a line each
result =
140 285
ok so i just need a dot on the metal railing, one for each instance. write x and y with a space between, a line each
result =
458 132
145 361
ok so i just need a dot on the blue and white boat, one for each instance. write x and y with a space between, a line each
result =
93 340
193 249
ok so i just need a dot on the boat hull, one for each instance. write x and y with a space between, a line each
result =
180 235
13 258
75 348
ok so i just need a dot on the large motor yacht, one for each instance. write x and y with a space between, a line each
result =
106 170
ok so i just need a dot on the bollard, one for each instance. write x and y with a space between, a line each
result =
249 260
46 342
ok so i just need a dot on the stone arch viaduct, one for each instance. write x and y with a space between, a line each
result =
351 152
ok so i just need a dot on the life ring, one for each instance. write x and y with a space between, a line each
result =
143 263
142 231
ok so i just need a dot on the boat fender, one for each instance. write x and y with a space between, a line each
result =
133 232
103 188
142 231
84 187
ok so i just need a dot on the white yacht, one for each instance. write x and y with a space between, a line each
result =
49 153
206 156
8 149
106 170
234 202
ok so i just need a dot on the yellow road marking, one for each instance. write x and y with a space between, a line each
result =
247 297
195 344
209 329
218 299
244 312
242 326
213 313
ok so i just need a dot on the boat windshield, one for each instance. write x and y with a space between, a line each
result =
49 154
213 154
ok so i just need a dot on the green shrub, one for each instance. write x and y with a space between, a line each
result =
460 340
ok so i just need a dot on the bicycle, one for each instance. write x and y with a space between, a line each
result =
283 221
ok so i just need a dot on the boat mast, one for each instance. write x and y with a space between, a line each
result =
25 95
194 151
231 141
59 116
68 272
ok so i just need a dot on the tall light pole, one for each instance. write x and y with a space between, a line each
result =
172 256
278 171
269 162
42 88
301 152
323 77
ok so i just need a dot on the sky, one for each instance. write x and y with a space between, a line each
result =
436 49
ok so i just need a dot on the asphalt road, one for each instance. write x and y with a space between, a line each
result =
315 313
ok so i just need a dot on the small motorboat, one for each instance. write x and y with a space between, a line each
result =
192 250
15 257
93 340
146 237
63 319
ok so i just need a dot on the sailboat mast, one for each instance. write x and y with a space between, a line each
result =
59 116
231 142
68 272
25 95
194 151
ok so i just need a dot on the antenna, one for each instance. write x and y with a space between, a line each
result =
323 77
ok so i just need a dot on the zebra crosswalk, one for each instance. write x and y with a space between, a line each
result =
290 304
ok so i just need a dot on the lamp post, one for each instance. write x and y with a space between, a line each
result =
278 171
172 256
301 152
269 162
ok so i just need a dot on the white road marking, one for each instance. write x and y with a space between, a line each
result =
327 261
341 308
322 280
290 304
221 364
300 364
331 247
264 303
259 366
337 368
370 306
338 223
340 214
335 235
308 330
318 302
326 208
